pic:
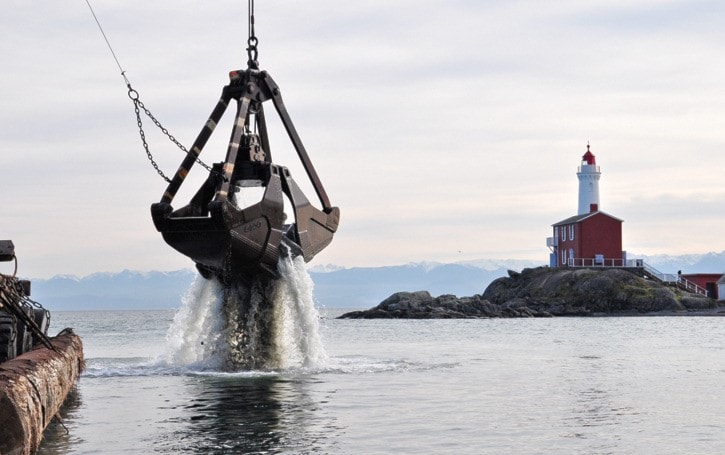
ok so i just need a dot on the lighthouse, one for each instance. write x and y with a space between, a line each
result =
588 175
591 238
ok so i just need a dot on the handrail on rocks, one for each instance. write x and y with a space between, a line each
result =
674 279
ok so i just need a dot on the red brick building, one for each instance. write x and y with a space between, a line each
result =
592 239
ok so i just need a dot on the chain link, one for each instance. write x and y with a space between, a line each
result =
145 144
138 106
252 41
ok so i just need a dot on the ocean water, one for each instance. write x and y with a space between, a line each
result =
637 385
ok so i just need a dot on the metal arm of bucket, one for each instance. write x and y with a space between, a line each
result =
226 240
233 149
296 141
196 149
247 86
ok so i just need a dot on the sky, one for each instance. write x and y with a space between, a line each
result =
444 130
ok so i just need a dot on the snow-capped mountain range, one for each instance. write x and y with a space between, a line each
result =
335 286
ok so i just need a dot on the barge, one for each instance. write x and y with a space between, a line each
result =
37 372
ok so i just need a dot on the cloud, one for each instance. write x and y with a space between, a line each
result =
437 127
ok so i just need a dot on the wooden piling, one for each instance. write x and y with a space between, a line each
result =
33 387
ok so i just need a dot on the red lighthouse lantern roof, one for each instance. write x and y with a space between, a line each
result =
589 157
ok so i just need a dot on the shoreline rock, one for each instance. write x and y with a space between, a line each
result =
547 292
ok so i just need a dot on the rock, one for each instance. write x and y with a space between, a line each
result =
697 302
567 292
547 292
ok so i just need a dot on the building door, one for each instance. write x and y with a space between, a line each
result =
710 288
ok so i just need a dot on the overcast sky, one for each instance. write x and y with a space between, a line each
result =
444 130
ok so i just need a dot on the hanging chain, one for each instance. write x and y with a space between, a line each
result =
252 41
138 106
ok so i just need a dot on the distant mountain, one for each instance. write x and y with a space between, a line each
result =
689 263
126 290
335 287
366 287
362 287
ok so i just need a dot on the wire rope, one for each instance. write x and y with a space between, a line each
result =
138 106
108 43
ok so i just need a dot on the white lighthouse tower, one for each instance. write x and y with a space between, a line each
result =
588 174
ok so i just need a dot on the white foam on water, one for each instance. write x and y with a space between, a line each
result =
296 331
195 337
367 365
279 329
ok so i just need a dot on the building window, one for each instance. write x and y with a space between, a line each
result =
571 232
563 257
563 233
571 254
556 232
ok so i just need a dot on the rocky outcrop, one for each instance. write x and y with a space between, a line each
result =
546 292
421 305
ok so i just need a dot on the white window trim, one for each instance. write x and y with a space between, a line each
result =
571 232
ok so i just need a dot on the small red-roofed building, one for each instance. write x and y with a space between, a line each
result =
706 281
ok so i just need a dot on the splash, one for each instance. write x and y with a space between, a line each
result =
297 321
262 324
195 337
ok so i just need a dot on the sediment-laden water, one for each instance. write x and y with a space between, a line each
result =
257 324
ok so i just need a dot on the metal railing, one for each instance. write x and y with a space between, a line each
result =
670 278
689 286
596 262
666 278
676 279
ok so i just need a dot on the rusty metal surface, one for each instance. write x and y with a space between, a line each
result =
33 386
